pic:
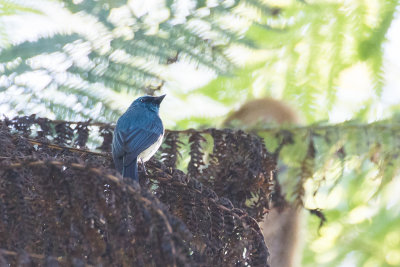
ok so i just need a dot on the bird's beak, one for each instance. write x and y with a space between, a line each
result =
159 99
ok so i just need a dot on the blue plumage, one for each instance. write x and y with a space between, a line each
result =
137 135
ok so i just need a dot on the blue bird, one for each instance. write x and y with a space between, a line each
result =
138 135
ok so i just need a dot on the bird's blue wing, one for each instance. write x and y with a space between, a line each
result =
137 140
117 150
131 141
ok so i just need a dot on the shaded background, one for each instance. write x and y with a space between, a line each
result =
330 60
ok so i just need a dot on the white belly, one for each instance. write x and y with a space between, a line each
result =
149 152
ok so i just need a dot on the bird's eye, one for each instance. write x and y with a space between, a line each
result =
141 100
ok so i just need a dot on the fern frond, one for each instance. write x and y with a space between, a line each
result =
128 64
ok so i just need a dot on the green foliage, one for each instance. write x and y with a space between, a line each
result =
8 8
317 151
370 49
361 229
298 52
301 59
123 51
350 171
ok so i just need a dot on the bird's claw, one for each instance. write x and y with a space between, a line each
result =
144 167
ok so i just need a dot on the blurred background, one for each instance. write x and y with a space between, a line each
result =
332 61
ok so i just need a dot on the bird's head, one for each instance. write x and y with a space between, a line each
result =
149 102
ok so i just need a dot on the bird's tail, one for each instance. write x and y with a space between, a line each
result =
131 170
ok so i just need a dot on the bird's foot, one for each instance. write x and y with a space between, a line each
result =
144 167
